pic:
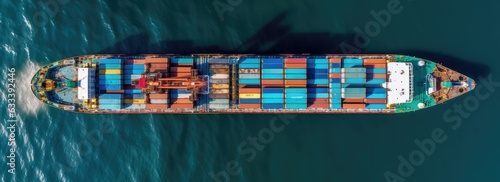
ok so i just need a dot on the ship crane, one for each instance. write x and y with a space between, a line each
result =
192 84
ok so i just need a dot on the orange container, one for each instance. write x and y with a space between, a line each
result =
180 74
318 105
335 60
295 65
375 65
113 91
180 101
353 100
272 83
249 106
134 61
158 65
376 75
334 75
180 69
295 82
295 61
250 90
156 60
373 61
353 106
158 96
156 106
312 100
181 106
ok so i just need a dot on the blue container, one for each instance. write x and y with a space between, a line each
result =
352 65
355 70
110 96
317 81
296 90
334 70
249 66
317 66
317 60
110 77
317 71
249 101
355 80
109 66
336 100
109 101
317 90
335 106
375 80
179 91
352 61
334 85
296 106
272 106
335 80
354 75
375 90
265 101
296 101
219 61
272 71
272 90
375 106
272 95
249 61
272 60
110 107
110 82
133 91
317 76
110 87
132 72
269 76
352 85
110 61
295 76
376 70
272 66
137 76
249 81
295 96
376 96
186 60
317 95
335 65
135 106
254 76
295 71
134 96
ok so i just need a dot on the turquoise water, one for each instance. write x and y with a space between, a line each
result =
59 146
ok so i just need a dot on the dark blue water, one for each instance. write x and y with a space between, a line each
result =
456 141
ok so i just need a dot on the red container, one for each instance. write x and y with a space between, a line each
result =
374 61
375 101
180 69
180 74
156 60
295 65
249 106
353 101
334 75
376 75
295 61
181 106
156 106
158 96
312 100
249 90
180 101
335 60
317 105
158 65
295 82
375 65
353 106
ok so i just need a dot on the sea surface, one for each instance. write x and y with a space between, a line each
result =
456 141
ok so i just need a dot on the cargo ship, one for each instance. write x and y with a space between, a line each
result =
256 84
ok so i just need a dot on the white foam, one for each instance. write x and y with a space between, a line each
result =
26 101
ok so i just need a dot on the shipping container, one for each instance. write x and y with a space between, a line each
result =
334 70
273 82
353 100
334 60
134 106
134 96
110 77
109 101
110 96
125 72
134 101
180 101
111 71
357 61
335 100
296 96
273 101
110 61
219 61
110 87
317 100
317 105
180 96
219 71
219 91
373 61
249 61
295 60
376 106
272 66
273 90
189 74
249 106
375 101
156 106
313 71
317 66
317 95
272 71
376 76
317 81
354 80
249 66
376 70
249 81
218 106
219 85
353 75
249 90
317 60
295 101
249 101
272 106
296 106
156 60
110 107
376 96
159 101
295 76
334 75
219 76
296 90
375 80
249 96
158 96
218 96
353 106
272 61
272 76
181 106
295 71
375 66
219 80
249 70
134 67
182 61
219 101
180 69
335 106
212 66
109 66
272 95
295 66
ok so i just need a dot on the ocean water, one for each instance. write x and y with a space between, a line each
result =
455 141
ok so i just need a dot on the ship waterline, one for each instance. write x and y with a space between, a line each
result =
257 84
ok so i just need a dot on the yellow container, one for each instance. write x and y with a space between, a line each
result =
219 85
135 101
250 96
110 72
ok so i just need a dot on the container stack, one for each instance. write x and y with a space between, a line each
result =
158 64
180 67
179 99
296 83
158 101
335 86
249 83
273 84
317 83
353 78
110 101
220 84
110 75
376 75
